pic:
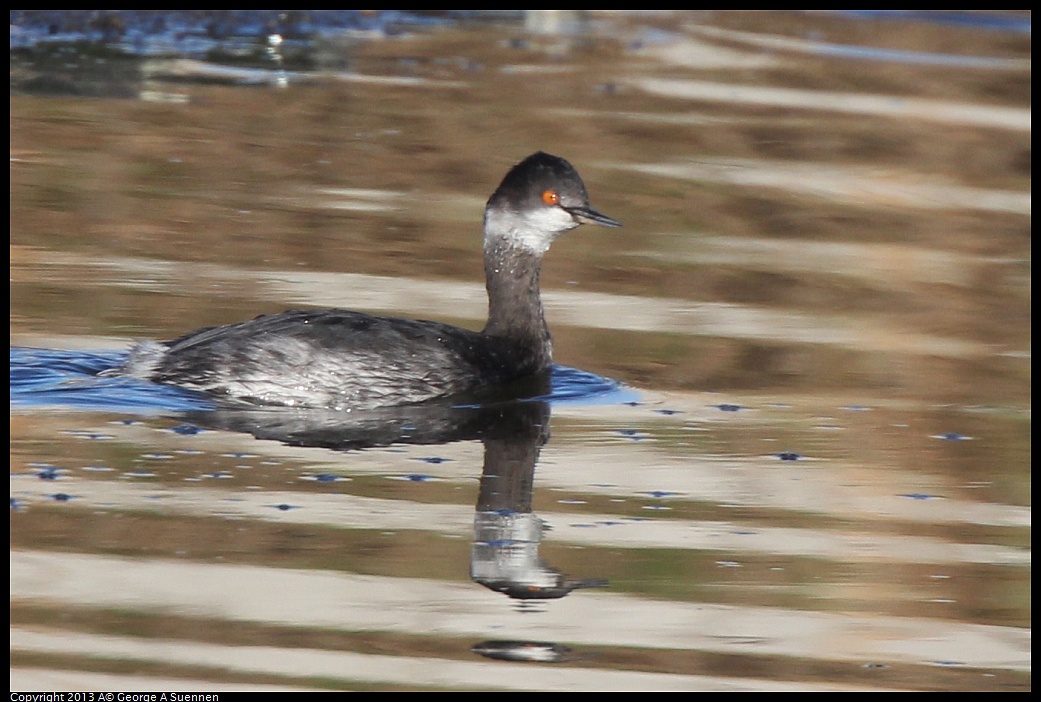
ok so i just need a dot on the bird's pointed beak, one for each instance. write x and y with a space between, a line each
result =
587 215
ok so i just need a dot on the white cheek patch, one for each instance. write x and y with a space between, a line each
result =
533 231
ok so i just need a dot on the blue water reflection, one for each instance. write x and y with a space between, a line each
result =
59 378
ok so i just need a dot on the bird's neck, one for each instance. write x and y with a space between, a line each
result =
514 302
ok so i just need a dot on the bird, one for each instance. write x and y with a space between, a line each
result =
345 360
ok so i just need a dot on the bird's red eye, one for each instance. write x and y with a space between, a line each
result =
550 197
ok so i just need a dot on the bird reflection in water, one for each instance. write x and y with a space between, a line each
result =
507 533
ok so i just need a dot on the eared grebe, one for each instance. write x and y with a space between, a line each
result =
345 360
